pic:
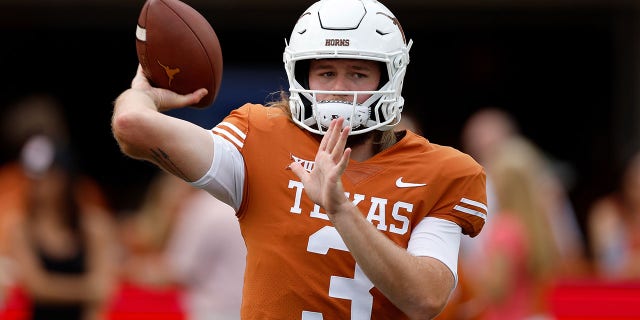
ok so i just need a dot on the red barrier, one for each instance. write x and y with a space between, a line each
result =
139 303
130 302
595 300
568 300
16 305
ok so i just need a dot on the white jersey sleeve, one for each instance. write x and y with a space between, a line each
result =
225 178
439 239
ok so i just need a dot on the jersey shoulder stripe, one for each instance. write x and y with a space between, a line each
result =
235 126
230 132
473 208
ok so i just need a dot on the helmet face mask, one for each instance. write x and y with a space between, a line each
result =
347 29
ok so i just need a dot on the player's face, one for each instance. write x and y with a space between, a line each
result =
343 75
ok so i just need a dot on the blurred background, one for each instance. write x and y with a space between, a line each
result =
568 72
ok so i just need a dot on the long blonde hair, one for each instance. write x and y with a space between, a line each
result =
517 172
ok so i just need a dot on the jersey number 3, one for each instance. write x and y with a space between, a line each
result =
356 289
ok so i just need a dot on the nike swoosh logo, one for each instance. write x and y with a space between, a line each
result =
402 184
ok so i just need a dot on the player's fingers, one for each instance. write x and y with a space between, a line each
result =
139 80
327 135
197 95
342 140
333 134
139 71
166 100
297 169
341 135
344 161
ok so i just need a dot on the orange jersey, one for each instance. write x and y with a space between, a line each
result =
297 265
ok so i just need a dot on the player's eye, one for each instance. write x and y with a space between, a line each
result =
328 74
359 75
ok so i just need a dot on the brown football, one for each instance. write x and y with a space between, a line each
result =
178 49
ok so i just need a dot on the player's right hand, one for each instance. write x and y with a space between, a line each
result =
323 185
165 99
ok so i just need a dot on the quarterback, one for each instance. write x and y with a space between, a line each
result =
343 218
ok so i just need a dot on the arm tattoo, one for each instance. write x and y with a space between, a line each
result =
163 159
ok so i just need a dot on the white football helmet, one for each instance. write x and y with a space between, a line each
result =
347 29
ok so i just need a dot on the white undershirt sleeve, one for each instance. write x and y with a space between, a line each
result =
439 239
225 178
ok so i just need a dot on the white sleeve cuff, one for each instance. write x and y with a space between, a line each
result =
439 239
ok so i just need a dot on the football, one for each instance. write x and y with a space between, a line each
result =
178 49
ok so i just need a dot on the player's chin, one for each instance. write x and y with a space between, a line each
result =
358 139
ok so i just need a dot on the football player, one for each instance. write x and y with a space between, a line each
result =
342 217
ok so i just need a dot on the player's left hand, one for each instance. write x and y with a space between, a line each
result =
323 184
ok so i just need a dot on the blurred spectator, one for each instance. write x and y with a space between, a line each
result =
207 256
62 248
488 136
33 115
183 237
520 256
146 231
614 227
37 114
485 132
